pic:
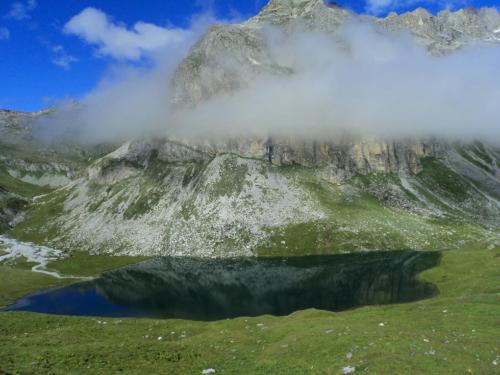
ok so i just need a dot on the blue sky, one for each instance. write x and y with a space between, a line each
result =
53 50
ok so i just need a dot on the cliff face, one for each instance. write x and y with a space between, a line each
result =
335 160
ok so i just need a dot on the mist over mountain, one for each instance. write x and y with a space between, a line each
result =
308 69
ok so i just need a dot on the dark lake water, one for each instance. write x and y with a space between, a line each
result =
213 289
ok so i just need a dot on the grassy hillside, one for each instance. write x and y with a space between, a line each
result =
15 195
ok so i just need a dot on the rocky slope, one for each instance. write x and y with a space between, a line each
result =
279 195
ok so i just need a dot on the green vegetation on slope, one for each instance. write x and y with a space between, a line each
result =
21 188
14 197
454 333
38 227
356 220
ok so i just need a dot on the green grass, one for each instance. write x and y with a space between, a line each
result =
437 175
360 221
16 279
16 282
16 186
84 264
454 333
39 227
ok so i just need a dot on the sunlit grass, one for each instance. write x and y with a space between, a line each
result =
454 333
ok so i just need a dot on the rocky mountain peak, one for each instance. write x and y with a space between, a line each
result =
447 31
293 5
317 14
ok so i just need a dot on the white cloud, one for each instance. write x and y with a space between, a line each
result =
62 58
117 41
4 33
383 85
20 11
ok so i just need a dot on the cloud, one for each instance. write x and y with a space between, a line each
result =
20 11
128 103
383 85
116 41
380 6
4 33
131 100
372 84
61 58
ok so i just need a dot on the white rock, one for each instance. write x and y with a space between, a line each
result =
348 370
208 371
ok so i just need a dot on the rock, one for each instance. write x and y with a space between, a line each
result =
229 57
348 370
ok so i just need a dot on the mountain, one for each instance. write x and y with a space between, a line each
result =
30 168
243 196
202 75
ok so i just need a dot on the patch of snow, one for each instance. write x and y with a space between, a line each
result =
253 61
41 255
